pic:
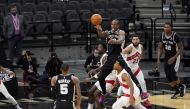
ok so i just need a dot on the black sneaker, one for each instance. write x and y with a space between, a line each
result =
154 73
176 94
182 90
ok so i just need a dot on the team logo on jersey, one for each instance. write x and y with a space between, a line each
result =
5 77
137 54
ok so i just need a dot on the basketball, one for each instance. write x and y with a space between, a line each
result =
96 19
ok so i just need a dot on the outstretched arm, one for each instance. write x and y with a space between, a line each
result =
100 31
127 79
127 50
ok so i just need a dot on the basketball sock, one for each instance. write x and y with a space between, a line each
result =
12 100
17 106
143 85
90 106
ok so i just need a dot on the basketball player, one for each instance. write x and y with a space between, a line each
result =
131 93
95 91
63 90
173 47
115 39
133 54
3 90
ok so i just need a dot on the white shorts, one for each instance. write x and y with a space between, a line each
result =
123 101
109 86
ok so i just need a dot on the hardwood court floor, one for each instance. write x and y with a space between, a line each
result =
165 100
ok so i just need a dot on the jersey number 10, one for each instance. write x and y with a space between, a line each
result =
64 89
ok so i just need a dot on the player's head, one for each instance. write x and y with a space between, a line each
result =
115 25
167 27
96 52
135 40
13 9
101 48
64 68
119 64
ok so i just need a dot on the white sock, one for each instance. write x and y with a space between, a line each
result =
90 106
12 100
18 107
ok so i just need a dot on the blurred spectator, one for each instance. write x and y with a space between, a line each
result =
13 30
30 68
53 65
92 61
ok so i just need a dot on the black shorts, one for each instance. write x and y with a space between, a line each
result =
171 70
63 105
107 68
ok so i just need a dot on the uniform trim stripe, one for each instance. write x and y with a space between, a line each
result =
137 72
124 85
177 64
128 95
110 82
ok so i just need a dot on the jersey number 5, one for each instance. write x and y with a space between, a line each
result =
64 89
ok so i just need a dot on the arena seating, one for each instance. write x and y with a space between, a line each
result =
40 13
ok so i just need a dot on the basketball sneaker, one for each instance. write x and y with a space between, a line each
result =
182 90
18 107
101 98
144 95
176 94
147 103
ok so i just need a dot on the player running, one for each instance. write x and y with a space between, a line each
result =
95 91
133 54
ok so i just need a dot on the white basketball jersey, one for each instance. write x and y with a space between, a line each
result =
125 87
133 58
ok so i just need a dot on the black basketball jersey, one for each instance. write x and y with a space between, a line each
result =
113 49
65 89
170 44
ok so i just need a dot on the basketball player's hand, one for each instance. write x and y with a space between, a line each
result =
131 100
171 60
98 27
111 41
